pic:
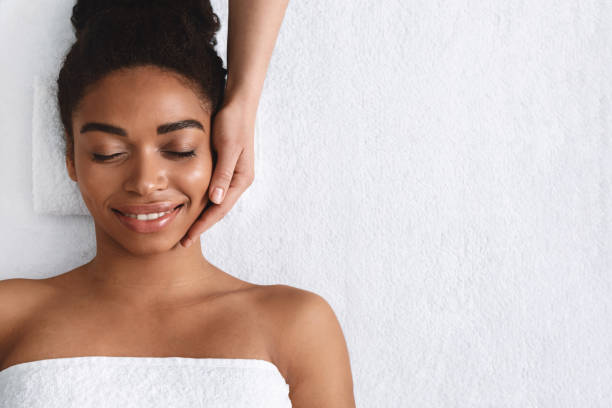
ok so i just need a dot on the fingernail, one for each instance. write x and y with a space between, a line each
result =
217 194
187 243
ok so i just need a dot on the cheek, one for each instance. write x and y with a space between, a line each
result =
95 183
193 179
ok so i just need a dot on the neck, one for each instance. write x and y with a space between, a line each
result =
162 278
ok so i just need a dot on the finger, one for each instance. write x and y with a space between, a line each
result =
215 213
224 172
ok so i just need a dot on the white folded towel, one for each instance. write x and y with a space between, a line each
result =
105 381
53 191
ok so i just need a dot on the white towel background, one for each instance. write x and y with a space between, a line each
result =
438 171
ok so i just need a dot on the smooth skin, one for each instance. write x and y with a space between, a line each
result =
144 294
252 31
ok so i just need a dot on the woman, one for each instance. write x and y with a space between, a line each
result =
138 94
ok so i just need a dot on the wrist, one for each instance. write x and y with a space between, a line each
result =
244 102
244 94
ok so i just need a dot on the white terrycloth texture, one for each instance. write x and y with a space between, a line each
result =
141 382
53 191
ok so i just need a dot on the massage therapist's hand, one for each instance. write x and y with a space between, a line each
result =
253 26
233 140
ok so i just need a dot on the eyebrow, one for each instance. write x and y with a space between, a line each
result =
165 128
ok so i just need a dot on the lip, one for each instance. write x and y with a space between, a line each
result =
148 226
147 208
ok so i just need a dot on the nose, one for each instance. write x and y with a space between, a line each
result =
147 173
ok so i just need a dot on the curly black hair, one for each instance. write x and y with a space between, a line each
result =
175 35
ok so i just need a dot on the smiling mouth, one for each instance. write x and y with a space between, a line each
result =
119 212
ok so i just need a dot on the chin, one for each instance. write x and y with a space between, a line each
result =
136 243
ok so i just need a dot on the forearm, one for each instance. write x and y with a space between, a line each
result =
252 31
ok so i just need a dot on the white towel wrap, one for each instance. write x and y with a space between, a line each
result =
110 381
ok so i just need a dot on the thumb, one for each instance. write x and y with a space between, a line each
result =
223 173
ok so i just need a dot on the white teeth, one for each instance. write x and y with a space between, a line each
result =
145 217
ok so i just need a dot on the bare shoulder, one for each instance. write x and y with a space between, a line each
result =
310 347
19 297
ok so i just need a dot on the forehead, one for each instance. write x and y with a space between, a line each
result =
142 93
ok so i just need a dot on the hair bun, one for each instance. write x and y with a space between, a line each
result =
200 10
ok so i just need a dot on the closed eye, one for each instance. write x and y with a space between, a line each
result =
102 157
190 153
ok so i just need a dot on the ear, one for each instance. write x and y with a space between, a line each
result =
70 165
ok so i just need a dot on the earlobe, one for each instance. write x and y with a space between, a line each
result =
70 158
70 168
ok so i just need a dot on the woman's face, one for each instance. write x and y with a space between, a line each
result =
146 122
